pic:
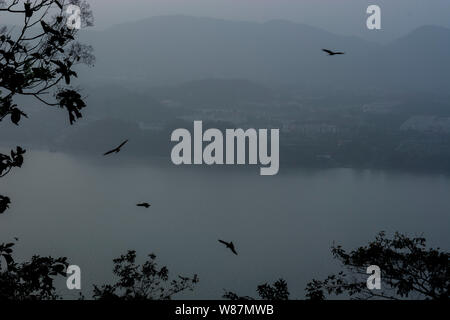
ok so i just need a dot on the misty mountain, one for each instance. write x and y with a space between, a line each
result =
174 49
207 93
419 60
117 102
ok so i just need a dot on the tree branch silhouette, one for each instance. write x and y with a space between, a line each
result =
408 269
278 291
35 60
142 282
30 280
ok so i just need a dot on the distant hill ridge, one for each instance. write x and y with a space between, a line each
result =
174 49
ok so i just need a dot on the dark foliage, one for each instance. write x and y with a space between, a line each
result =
142 282
35 59
30 280
408 269
7 162
4 203
14 159
34 279
276 292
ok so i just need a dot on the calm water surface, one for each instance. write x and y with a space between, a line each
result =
283 226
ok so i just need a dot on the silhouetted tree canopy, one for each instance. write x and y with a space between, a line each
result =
30 280
408 269
142 282
34 279
7 162
276 292
37 60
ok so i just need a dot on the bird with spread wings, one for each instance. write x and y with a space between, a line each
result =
332 53
144 204
116 150
229 245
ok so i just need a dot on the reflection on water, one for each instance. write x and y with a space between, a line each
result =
283 226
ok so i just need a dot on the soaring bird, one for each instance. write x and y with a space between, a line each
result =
229 245
116 150
332 53
144 204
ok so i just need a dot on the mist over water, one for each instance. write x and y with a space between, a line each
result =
283 225
361 113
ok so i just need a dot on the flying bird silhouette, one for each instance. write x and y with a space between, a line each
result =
144 204
332 53
116 150
229 245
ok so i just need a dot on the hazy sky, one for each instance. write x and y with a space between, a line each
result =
340 16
